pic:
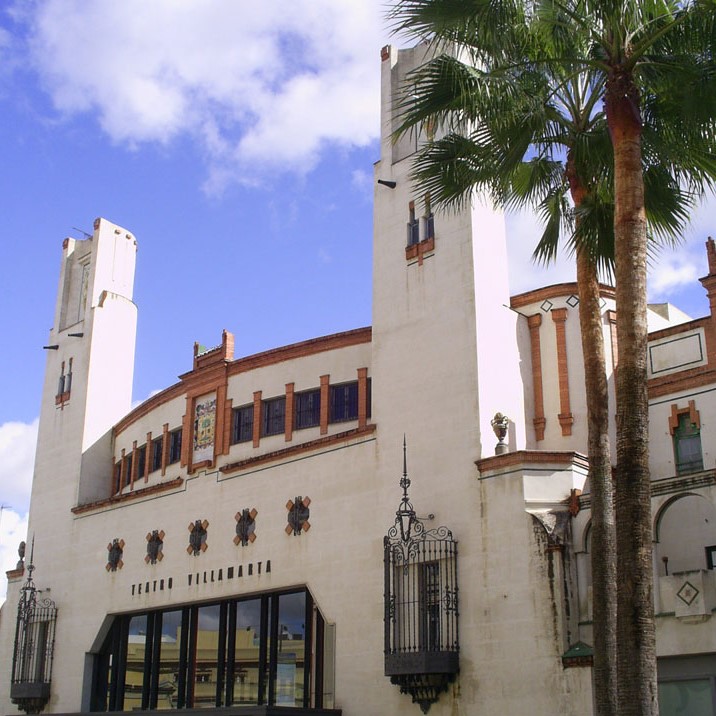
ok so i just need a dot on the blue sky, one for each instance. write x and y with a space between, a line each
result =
236 143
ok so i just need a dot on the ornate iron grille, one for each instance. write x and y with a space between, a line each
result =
34 647
421 604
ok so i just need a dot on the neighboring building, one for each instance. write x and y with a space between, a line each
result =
233 540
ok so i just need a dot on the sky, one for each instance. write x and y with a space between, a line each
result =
236 142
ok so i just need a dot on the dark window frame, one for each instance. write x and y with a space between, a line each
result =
273 416
273 640
688 451
307 409
175 441
157 451
242 424
343 402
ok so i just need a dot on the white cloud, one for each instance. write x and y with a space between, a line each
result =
17 457
672 273
258 86
13 530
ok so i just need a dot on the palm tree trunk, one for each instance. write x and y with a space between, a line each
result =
636 661
603 537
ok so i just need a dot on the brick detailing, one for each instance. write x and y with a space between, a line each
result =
257 418
559 316
220 445
135 455
676 413
709 283
362 397
143 492
558 290
612 318
187 423
207 376
221 354
325 400
531 457
148 457
295 450
122 471
228 424
539 420
165 448
288 412
420 250
385 53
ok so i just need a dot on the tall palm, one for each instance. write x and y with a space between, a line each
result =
527 137
650 62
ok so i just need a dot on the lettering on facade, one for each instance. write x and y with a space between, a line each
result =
208 576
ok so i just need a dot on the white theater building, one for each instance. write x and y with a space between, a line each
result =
232 542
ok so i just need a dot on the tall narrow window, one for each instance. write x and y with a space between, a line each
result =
141 461
174 446
344 402
413 227
274 416
242 428
687 446
128 469
157 448
308 409
68 377
61 381
428 220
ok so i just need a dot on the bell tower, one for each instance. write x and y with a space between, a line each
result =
88 378
444 338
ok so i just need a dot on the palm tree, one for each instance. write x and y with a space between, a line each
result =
649 62
526 137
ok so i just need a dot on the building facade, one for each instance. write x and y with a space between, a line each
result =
258 536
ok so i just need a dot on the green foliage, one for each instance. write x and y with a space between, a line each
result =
512 99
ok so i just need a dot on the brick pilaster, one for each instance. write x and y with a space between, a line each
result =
325 398
257 418
539 420
559 316
288 412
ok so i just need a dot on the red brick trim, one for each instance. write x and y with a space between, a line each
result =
612 318
325 399
122 470
210 376
539 457
559 316
555 291
300 350
683 380
165 448
294 450
385 53
228 420
257 418
116 499
148 457
15 573
220 418
187 442
534 322
676 413
288 412
420 250
362 397
135 466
